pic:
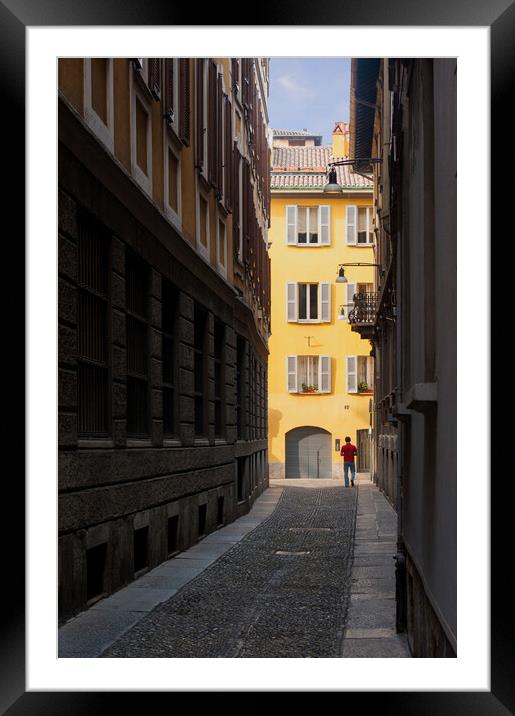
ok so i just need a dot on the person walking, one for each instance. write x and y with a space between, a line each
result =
349 451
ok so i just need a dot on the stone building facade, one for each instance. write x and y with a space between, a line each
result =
403 114
164 310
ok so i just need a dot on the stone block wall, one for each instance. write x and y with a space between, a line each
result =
121 497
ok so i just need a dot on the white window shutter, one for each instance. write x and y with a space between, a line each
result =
324 367
324 224
324 300
352 213
370 371
291 302
352 378
291 225
351 290
291 374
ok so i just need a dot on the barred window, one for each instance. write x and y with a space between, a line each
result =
219 378
199 350
240 373
169 304
93 354
252 397
137 346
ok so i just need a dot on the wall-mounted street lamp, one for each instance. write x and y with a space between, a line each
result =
341 278
332 187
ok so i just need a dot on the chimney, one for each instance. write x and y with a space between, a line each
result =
340 140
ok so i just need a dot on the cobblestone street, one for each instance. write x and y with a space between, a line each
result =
280 592
307 573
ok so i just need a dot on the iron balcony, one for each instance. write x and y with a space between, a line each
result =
363 315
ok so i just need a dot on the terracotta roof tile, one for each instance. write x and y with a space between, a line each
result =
305 167
292 133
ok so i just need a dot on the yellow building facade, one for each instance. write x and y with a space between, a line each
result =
320 371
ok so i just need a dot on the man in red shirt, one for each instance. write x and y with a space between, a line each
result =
349 451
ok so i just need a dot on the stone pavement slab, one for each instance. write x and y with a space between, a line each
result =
370 621
373 560
373 586
377 571
95 631
369 633
392 647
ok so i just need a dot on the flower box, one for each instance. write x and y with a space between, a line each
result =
309 389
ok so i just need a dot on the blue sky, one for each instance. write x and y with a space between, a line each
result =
309 93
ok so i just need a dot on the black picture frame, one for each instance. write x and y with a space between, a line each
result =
15 17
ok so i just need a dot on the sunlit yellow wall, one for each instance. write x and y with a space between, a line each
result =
317 264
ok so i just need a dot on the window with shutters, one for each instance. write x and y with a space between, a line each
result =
239 213
137 280
359 225
221 247
350 289
213 139
141 138
240 390
92 319
237 125
365 373
172 182
308 302
360 374
308 225
201 115
154 65
169 305
203 223
308 374
228 155
99 98
200 371
184 101
219 361
148 75
236 77
365 234
171 112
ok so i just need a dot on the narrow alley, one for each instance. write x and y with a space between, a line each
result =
307 573
245 320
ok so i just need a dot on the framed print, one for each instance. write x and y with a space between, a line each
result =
144 311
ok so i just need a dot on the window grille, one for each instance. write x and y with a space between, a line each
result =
240 357
137 347
93 354
219 377
169 298
199 351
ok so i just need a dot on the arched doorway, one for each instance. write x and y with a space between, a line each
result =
308 453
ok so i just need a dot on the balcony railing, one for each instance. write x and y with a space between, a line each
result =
364 311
